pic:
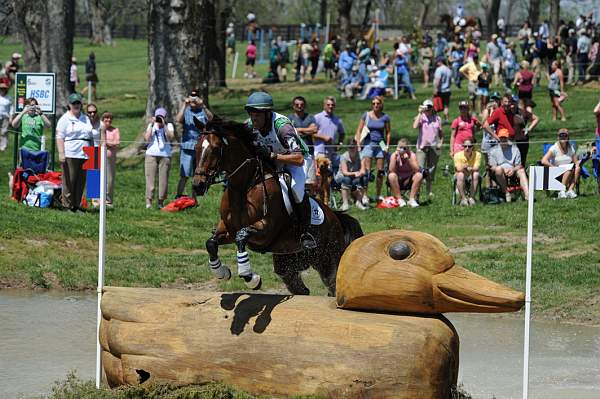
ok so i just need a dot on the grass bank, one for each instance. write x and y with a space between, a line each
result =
52 249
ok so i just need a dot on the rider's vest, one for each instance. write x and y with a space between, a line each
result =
273 140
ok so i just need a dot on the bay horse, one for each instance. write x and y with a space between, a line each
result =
253 213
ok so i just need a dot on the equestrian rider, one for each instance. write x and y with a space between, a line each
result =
275 140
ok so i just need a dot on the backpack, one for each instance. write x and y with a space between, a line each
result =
491 195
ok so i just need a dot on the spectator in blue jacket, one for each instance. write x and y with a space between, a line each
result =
347 58
403 69
192 106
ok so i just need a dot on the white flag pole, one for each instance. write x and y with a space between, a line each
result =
235 64
532 186
395 82
101 254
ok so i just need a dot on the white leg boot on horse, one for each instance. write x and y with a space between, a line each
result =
219 270
251 279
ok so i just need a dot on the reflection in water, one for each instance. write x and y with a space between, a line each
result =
45 335
563 360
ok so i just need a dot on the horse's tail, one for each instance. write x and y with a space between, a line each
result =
352 229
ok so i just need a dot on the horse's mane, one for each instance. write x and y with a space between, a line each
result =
231 129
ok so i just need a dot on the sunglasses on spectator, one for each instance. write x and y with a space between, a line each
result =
403 148
92 112
468 146
563 136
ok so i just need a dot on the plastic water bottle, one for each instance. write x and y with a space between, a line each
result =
446 170
43 148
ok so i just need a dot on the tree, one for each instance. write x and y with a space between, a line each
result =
28 24
534 13
424 12
492 12
56 50
554 15
217 12
100 21
344 22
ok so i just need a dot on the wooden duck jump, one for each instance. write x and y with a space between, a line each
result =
291 345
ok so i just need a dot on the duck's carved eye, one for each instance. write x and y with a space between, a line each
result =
399 250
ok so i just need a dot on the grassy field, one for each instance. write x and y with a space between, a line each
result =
53 249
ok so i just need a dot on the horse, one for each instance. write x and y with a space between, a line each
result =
253 213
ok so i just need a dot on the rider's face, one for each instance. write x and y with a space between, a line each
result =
258 119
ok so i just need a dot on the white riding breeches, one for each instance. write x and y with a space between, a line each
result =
298 174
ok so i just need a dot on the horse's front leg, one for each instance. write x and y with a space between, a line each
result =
251 279
220 236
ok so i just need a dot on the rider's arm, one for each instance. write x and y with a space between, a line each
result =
179 116
293 155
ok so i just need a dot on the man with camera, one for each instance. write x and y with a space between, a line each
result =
33 122
192 106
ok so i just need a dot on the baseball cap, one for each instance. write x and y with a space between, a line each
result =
495 96
160 112
503 133
428 103
463 104
16 55
74 98
494 36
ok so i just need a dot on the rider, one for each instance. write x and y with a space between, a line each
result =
275 140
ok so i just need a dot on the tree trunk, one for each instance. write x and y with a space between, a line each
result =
219 12
366 23
58 28
509 9
28 22
99 21
344 21
554 15
275 345
424 12
534 13
323 15
492 13
176 51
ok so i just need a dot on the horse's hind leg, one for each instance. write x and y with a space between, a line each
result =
252 280
327 266
219 270
285 267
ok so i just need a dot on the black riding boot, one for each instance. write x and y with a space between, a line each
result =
303 217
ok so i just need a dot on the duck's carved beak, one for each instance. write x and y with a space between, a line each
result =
459 290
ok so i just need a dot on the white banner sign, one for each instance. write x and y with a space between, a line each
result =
40 86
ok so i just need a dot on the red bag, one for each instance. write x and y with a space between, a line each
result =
180 204
438 104
388 202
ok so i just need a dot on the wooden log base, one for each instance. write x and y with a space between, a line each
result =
274 344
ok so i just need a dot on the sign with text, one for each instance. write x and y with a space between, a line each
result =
41 86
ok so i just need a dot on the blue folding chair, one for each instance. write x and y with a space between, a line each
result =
34 161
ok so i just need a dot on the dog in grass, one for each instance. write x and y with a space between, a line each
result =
325 174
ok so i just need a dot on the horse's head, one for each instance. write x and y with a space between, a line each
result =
218 139
209 153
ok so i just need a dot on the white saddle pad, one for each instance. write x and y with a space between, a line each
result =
317 214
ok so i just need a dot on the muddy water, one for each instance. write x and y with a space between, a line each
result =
45 335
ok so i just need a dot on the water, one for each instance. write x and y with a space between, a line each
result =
45 335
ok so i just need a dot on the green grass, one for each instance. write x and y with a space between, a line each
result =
53 249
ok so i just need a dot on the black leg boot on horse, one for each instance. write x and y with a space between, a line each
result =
303 218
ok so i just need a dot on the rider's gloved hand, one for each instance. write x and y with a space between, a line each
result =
262 151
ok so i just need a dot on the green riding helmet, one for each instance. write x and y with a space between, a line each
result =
259 101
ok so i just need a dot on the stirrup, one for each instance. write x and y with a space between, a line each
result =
308 241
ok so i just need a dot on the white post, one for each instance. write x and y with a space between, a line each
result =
376 23
101 254
395 82
327 30
235 63
528 280
89 91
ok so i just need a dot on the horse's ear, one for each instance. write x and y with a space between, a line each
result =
199 124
